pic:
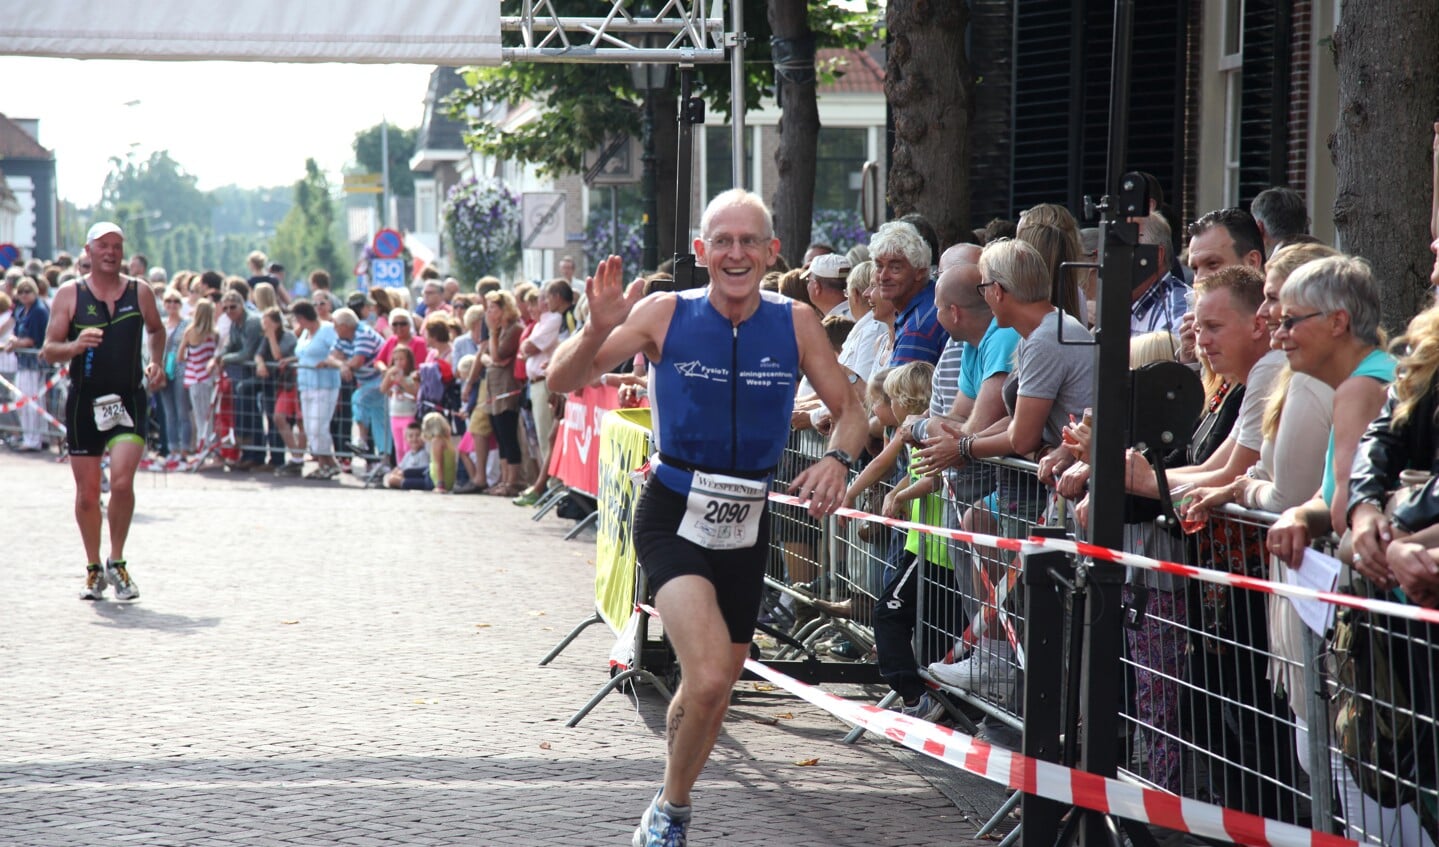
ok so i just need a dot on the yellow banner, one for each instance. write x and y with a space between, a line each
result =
624 446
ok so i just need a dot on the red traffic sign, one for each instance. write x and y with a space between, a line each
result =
388 244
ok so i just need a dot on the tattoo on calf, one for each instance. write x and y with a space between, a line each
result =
674 728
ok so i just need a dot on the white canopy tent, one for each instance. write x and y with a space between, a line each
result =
455 33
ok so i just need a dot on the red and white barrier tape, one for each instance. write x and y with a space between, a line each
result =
1047 779
26 401
1053 781
1104 554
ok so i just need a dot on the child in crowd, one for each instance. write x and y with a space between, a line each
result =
197 352
471 443
400 385
412 472
443 456
905 391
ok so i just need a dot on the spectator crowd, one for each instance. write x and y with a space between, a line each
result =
961 352
436 390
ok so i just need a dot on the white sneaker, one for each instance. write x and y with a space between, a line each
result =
118 575
94 584
989 671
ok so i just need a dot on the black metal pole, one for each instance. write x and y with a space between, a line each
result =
684 166
689 114
651 256
1103 641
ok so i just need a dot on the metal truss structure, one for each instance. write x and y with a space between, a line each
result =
680 33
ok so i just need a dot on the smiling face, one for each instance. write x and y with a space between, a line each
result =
1269 310
1308 339
737 248
898 280
883 307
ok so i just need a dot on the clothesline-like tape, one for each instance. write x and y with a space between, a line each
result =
1047 779
25 401
1053 781
1104 554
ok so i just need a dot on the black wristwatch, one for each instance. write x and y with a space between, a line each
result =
846 459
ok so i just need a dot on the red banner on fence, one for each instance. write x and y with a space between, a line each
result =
576 458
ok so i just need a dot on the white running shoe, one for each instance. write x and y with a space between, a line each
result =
989 671
118 576
94 584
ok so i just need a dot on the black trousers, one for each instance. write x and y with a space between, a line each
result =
895 615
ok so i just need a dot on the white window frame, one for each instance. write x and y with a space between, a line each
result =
1233 113
1232 17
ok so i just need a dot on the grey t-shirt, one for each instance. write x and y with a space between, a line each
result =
1047 370
1249 429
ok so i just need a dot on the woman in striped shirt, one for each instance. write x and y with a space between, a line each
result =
197 352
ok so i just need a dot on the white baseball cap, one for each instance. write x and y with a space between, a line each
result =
102 229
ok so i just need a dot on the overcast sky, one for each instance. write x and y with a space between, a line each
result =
242 123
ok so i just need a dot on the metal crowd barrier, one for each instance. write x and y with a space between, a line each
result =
31 398
1231 698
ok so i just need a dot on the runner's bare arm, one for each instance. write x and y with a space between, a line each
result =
57 350
150 311
620 325
824 482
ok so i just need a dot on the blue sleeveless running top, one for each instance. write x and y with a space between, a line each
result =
115 366
722 394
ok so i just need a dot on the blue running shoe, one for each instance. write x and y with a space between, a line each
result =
663 825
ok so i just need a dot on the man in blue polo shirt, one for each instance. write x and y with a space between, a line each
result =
356 349
901 271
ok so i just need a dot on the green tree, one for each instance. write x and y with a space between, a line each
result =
161 186
305 239
402 149
584 105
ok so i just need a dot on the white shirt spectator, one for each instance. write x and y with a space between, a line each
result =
546 337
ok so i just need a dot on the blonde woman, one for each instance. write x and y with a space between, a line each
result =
264 297
1052 230
197 353
502 316
858 352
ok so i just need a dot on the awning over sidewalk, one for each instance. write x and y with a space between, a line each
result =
409 31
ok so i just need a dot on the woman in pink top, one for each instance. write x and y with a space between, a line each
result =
402 324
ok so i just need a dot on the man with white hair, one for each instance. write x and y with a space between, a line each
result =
98 324
901 259
726 360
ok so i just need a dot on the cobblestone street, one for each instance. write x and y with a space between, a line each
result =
359 667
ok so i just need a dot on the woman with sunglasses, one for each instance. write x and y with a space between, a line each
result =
174 399
1329 329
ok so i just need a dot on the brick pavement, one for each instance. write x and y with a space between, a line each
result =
358 667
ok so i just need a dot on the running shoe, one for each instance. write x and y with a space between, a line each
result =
527 498
662 825
290 469
926 708
989 671
94 584
118 575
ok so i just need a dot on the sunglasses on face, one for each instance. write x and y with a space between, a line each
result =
1288 322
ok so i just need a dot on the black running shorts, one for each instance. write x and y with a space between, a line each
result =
737 575
83 438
